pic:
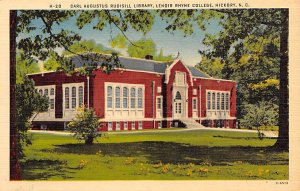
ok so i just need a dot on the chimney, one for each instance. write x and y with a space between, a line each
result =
149 57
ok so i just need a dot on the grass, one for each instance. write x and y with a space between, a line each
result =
188 155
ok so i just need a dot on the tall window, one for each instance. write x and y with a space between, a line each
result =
41 92
133 125
117 97
218 101
140 98
194 104
51 103
222 101
73 97
158 103
109 97
125 125
227 101
52 91
46 92
67 94
125 97
132 97
213 101
208 100
80 94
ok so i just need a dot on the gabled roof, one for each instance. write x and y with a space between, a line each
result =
143 65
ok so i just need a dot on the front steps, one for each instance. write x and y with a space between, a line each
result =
191 123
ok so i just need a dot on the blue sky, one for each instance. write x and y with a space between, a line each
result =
170 43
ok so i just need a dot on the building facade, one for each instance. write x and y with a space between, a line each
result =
144 94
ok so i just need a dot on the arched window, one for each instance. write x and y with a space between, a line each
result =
41 92
227 101
109 97
80 95
73 97
213 101
52 91
117 97
218 101
132 98
178 95
67 93
140 98
125 97
222 101
208 100
46 92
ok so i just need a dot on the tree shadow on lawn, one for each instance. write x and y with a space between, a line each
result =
43 169
179 153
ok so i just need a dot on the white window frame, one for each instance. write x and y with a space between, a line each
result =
125 125
159 124
70 86
41 91
140 125
158 89
118 126
133 125
109 126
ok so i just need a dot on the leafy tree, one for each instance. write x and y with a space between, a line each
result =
28 103
25 66
261 114
238 25
212 67
140 48
85 125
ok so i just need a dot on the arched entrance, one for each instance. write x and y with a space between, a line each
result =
178 106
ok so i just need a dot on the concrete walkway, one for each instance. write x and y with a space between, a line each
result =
269 134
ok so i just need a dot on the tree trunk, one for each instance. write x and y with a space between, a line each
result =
14 158
89 141
283 137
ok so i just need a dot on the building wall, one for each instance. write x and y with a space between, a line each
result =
151 82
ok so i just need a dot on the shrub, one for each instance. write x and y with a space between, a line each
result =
85 125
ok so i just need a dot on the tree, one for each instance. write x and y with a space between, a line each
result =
212 67
261 114
85 125
237 25
140 48
28 103
25 66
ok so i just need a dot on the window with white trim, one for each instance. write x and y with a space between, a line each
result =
109 126
125 125
125 97
46 92
132 98
208 100
194 103
227 101
80 96
117 98
52 91
213 101
118 126
67 98
159 124
222 101
140 98
49 92
159 103
133 125
73 97
218 101
109 97
140 125
41 92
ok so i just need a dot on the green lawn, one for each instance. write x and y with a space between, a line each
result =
188 155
